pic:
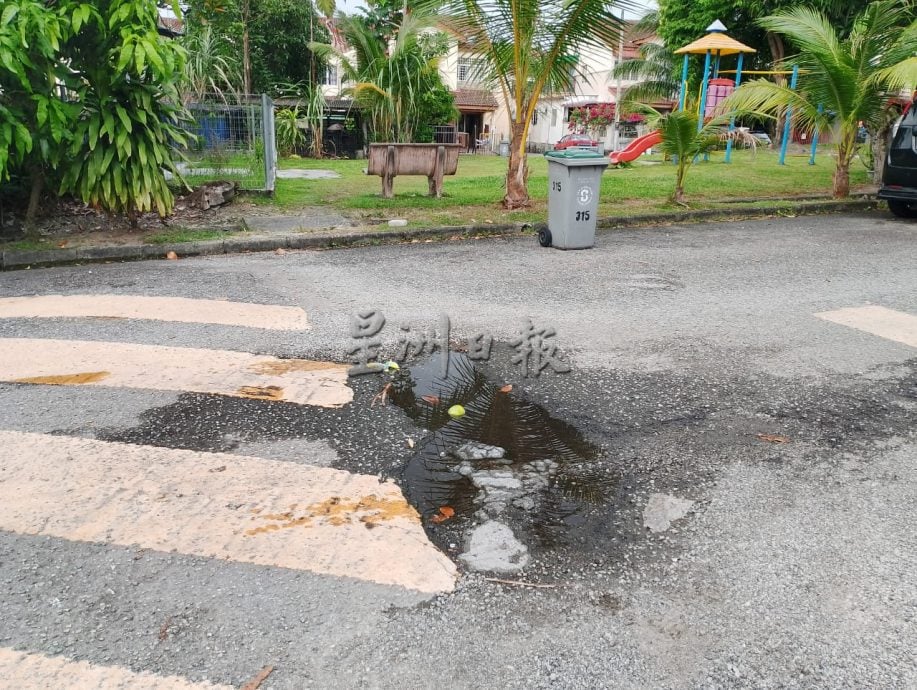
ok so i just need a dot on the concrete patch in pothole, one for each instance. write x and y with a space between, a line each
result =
492 547
662 510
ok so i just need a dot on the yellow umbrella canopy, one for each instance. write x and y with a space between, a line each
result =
716 43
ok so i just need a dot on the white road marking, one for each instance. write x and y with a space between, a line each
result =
217 505
24 671
898 326
128 365
181 309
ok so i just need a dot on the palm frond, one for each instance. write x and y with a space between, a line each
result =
326 7
760 97
899 77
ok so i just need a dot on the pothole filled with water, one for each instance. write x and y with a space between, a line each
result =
505 480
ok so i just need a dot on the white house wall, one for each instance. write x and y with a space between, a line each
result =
593 83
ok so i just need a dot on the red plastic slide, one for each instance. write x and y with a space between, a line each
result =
635 148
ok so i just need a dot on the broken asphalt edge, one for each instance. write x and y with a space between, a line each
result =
20 259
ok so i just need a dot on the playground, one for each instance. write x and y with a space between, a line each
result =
716 85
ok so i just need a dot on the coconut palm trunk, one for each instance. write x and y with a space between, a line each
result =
525 49
517 172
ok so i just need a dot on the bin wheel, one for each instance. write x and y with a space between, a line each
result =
544 237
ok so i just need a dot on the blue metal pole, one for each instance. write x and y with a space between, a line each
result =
703 93
821 109
732 122
789 119
684 83
716 65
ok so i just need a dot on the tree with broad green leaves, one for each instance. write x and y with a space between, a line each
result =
846 80
35 123
88 93
130 115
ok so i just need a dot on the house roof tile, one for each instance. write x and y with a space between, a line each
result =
475 99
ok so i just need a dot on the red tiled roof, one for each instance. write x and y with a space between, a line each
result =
475 99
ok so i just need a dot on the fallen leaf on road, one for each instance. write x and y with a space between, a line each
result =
256 682
171 256
507 388
432 399
62 244
410 443
445 512
280 250
773 438
221 468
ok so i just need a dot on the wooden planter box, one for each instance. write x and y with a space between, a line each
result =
431 160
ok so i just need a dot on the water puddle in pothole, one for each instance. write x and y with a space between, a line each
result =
549 485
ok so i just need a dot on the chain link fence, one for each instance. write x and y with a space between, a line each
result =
232 140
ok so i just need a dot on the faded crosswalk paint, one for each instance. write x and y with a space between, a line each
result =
217 505
24 671
180 309
898 326
128 365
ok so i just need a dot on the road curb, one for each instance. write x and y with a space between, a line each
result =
20 259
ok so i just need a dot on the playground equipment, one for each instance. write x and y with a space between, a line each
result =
713 46
715 89
635 148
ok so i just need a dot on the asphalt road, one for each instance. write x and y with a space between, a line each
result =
711 364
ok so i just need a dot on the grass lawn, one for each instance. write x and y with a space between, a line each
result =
473 194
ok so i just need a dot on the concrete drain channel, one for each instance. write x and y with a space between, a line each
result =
504 481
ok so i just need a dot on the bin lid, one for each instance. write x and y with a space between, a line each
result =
574 153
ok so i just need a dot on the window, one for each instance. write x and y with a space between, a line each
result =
330 75
468 69
553 116
464 69
535 117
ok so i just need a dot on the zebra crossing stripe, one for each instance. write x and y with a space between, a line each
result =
216 505
24 671
180 309
898 326
130 365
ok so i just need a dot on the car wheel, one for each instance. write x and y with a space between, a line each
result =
902 209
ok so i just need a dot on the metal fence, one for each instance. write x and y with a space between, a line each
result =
233 140
444 134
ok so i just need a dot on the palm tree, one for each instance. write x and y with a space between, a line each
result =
844 81
657 73
528 48
387 80
684 142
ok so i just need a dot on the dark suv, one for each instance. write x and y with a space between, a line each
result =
899 180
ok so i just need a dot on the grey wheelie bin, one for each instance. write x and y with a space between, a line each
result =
574 182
